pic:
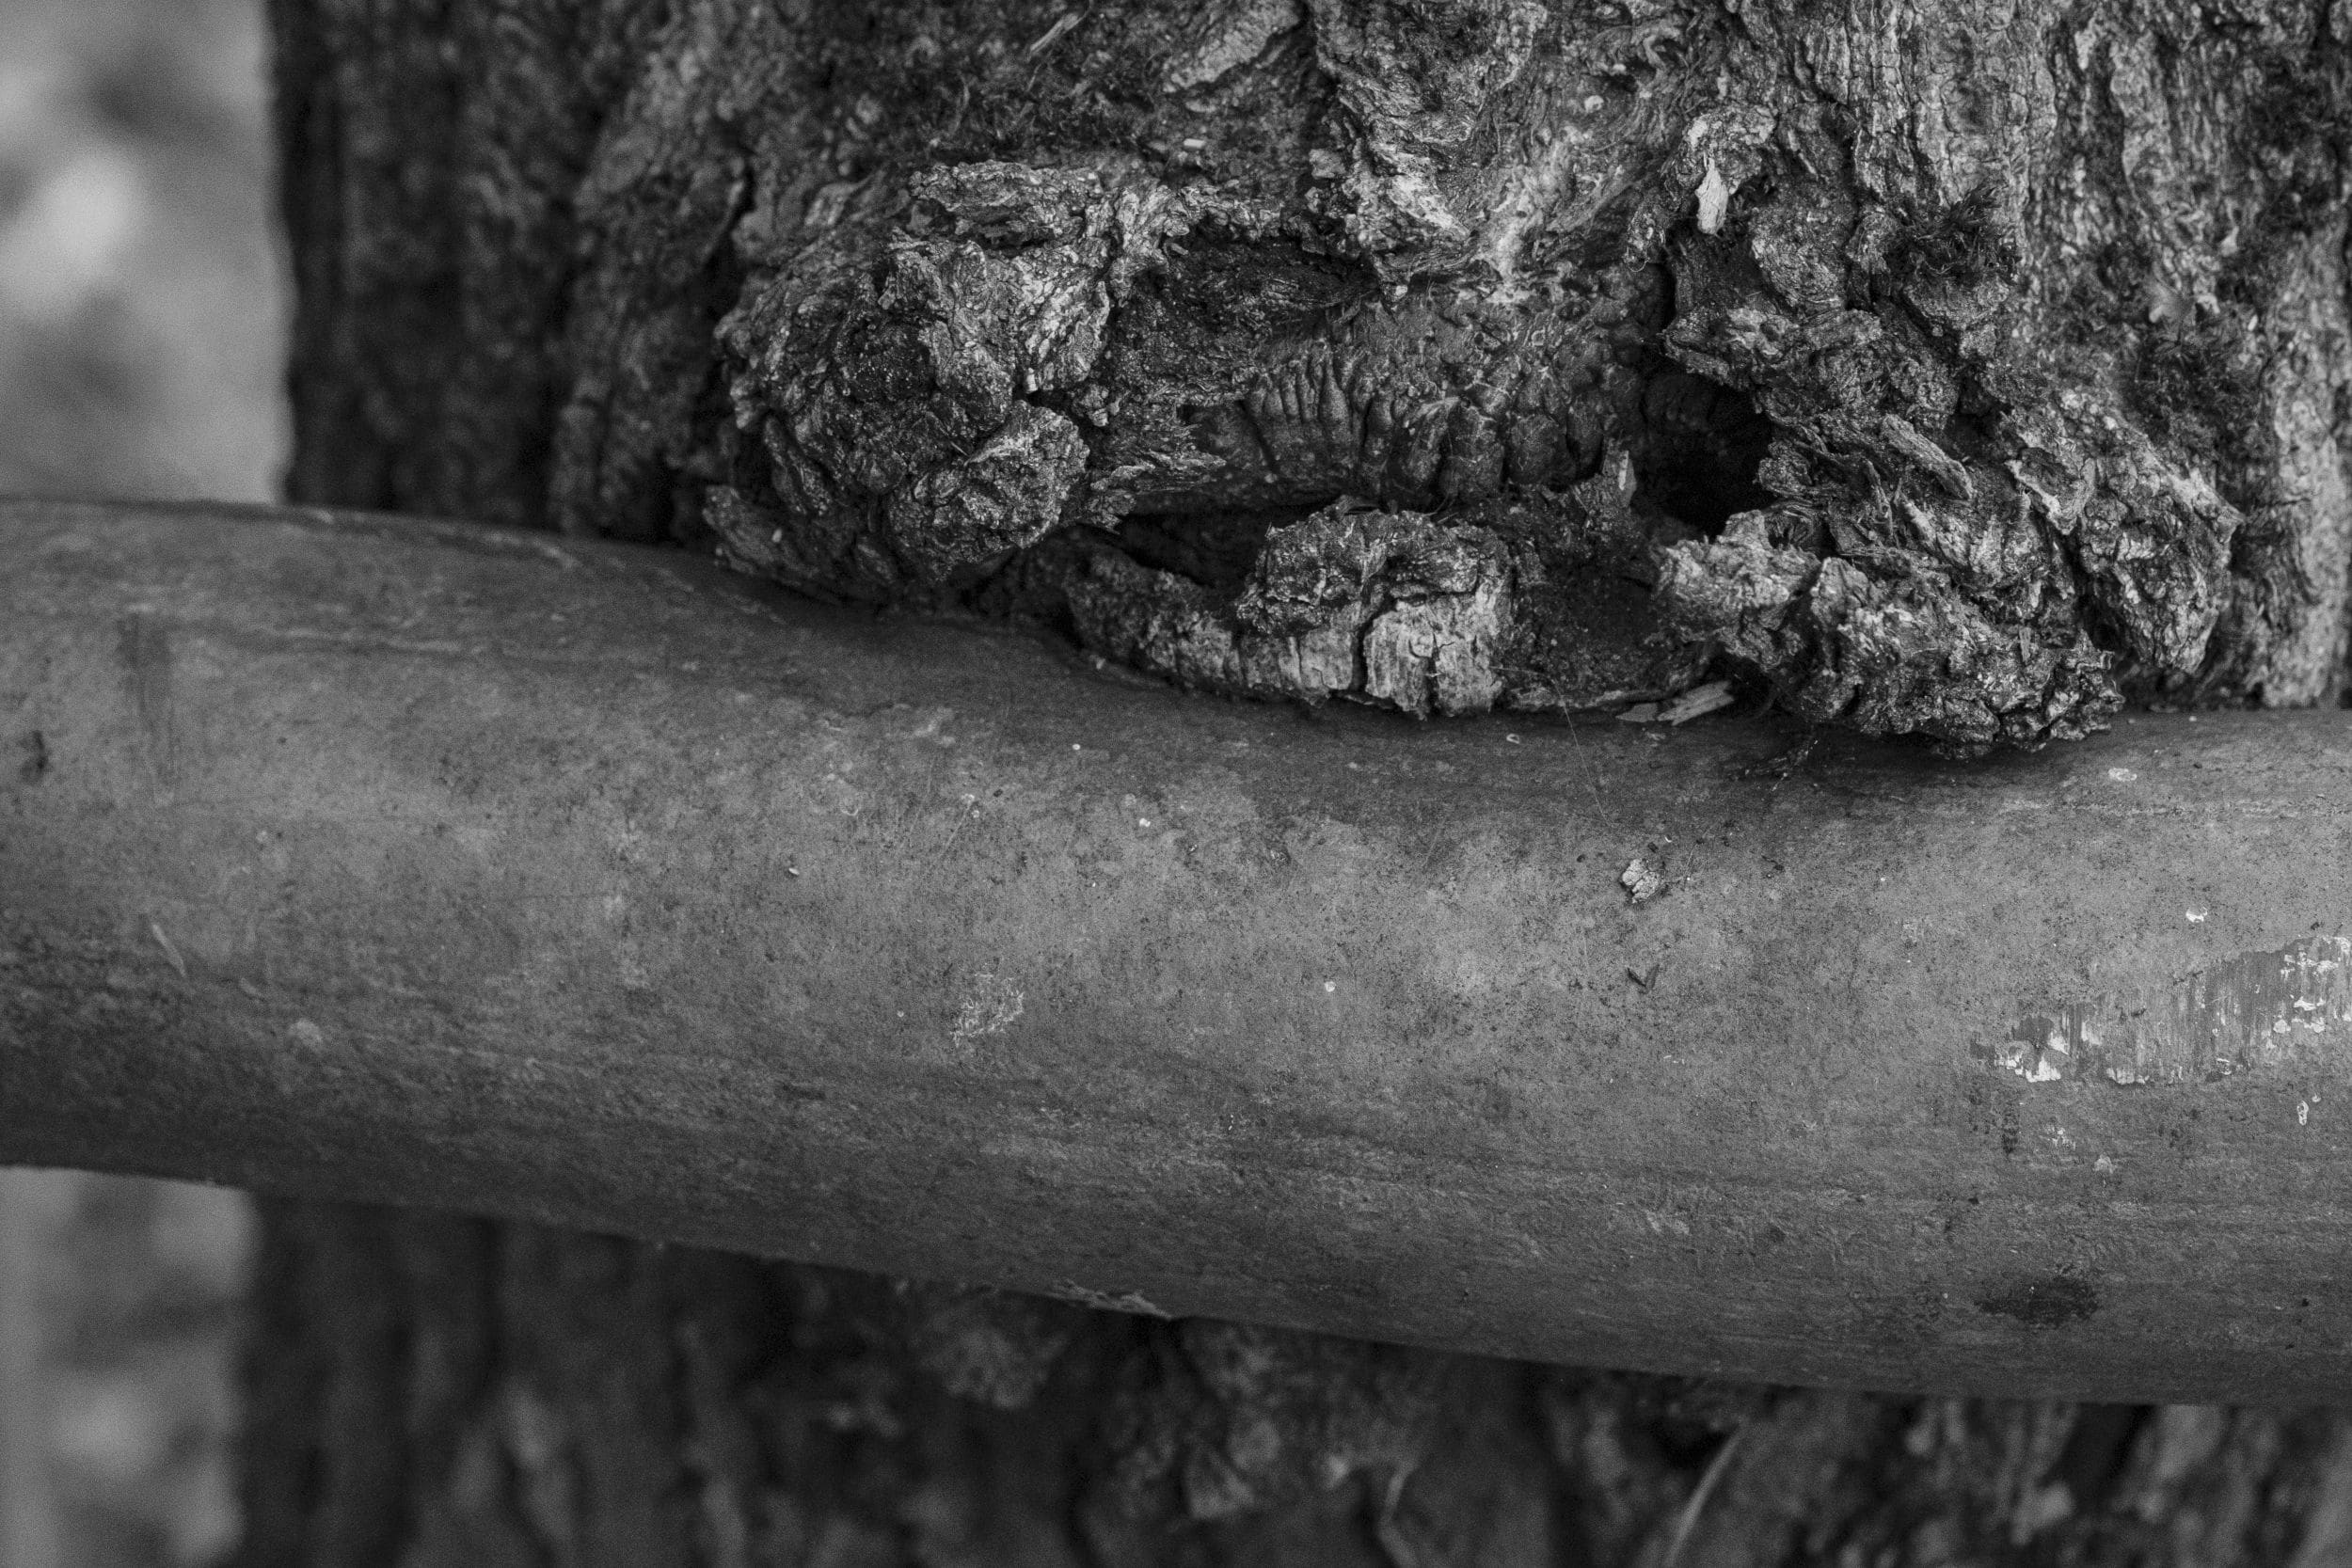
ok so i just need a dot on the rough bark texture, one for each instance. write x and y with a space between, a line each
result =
1951 370
442 1392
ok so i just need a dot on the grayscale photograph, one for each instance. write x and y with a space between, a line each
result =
1118 783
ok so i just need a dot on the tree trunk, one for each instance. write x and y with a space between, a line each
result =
1955 372
430 1390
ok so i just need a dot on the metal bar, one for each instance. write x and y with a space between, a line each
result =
414 861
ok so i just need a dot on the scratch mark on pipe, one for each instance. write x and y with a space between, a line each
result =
2259 1010
2052 1302
1132 1302
146 656
990 1008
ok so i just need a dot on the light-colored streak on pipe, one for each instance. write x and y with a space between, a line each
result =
412 861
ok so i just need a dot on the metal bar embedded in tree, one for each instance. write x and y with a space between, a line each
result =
403 861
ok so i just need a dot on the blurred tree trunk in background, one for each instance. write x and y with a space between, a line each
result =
117 1328
141 338
142 348
28 1524
1952 373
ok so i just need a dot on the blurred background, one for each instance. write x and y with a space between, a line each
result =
141 303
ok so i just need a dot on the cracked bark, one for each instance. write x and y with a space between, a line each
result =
1956 371
1951 371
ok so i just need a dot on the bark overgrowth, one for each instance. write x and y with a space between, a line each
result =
1954 370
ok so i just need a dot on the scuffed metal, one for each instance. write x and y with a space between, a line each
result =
2260 1009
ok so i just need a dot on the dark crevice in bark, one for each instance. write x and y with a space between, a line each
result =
1701 448
1214 549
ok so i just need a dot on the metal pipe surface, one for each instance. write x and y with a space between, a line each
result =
415 861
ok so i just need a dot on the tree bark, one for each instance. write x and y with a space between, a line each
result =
1953 372
432 1390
